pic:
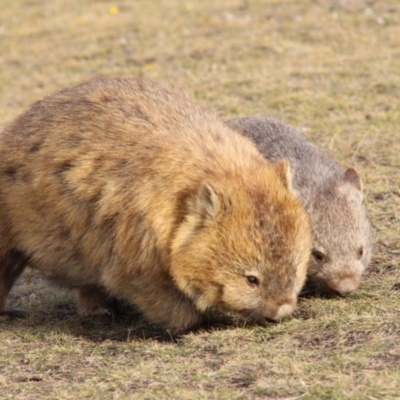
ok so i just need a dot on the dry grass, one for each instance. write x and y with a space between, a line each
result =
330 68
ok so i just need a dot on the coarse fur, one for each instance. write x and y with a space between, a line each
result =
126 189
341 232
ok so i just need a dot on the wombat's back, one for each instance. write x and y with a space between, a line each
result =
342 237
312 168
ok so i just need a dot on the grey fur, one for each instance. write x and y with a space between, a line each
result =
333 199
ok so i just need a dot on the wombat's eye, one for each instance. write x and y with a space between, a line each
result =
318 255
252 280
360 252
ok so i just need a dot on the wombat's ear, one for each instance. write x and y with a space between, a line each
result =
353 178
283 170
207 203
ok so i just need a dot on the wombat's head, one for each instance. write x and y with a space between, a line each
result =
244 246
341 236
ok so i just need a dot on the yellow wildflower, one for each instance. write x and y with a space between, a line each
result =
113 10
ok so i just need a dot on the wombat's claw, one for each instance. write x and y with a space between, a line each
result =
111 312
12 314
112 308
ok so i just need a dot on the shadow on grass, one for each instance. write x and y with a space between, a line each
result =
127 324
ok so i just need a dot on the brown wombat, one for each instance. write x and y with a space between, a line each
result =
341 232
126 189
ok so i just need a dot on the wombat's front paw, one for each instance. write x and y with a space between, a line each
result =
93 301
107 309
204 326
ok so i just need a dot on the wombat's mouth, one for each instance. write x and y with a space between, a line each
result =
255 318
261 322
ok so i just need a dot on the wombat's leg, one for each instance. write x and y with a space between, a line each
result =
167 306
94 301
11 266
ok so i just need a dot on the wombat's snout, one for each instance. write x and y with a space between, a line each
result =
345 286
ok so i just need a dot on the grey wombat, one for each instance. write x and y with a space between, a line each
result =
341 232
124 188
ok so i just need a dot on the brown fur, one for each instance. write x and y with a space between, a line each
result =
341 232
127 188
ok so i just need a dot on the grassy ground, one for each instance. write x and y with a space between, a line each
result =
330 68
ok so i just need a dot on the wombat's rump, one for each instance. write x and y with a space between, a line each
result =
127 189
341 232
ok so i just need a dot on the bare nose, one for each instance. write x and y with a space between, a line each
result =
283 312
346 286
